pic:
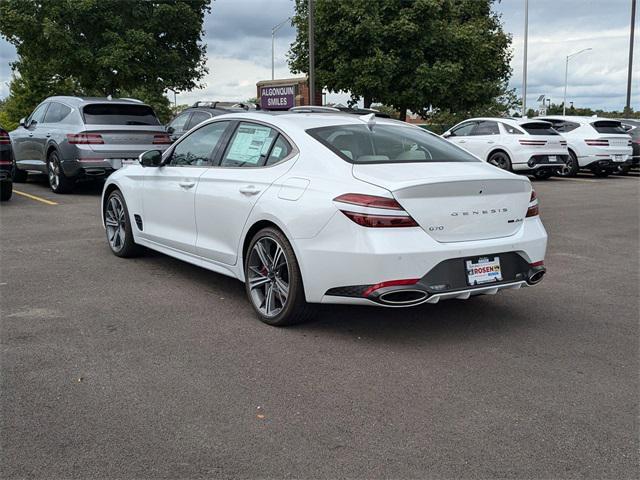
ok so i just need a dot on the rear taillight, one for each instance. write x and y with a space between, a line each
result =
534 209
162 139
4 138
85 138
369 217
597 143
533 143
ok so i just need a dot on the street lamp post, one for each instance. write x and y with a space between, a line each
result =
566 78
274 29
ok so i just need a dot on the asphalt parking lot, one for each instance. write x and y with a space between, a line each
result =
153 368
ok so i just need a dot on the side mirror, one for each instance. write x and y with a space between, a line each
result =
170 130
151 158
23 122
447 134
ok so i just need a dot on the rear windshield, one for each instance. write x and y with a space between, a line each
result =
539 128
114 114
608 127
388 144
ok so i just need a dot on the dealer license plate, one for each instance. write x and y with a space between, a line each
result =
483 270
552 158
617 158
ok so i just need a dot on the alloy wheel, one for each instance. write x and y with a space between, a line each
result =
115 222
268 276
54 174
500 161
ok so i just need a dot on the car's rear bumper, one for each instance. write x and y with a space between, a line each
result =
374 255
93 167
542 161
604 161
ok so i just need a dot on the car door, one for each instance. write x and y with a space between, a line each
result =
52 125
460 134
28 147
255 156
169 190
484 137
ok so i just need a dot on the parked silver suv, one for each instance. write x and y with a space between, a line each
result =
71 138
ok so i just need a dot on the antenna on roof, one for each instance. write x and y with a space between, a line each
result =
369 119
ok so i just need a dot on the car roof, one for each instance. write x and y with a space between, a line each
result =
577 118
71 100
305 121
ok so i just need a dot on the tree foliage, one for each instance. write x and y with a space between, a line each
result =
413 54
103 47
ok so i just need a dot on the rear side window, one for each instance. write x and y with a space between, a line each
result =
388 144
561 125
56 113
280 150
486 128
608 126
119 114
539 128
179 122
196 119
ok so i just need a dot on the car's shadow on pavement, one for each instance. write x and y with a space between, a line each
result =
448 320
85 187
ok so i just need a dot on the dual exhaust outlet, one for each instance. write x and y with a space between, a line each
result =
405 297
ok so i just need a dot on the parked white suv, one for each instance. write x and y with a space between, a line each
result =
523 146
600 145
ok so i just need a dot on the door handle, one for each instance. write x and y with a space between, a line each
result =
491 141
463 141
186 184
31 134
250 190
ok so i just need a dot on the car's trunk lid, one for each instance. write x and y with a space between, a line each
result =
454 202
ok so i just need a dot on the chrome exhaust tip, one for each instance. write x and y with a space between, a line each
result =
405 297
535 276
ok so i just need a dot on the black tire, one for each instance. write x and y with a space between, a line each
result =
500 160
19 176
294 309
571 167
624 170
58 181
600 172
6 190
126 247
543 173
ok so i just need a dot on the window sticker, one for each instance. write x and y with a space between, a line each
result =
249 144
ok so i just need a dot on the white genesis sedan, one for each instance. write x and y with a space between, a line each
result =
329 208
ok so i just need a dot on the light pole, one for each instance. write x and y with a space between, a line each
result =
566 77
274 29
524 65
312 55
633 26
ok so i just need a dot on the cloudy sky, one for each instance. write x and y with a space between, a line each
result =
238 38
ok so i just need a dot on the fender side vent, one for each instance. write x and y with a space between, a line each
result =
138 219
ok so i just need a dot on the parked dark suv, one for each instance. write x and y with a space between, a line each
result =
71 138
201 111
633 129
6 166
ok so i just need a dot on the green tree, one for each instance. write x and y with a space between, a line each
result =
412 54
103 47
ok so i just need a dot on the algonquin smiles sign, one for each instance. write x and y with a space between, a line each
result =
277 98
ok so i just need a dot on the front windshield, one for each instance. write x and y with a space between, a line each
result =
385 143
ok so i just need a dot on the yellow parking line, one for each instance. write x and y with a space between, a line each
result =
36 198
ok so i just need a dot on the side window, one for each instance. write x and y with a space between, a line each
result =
38 114
197 118
486 128
179 122
512 130
249 145
56 113
568 126
281 149
195 149
463 130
